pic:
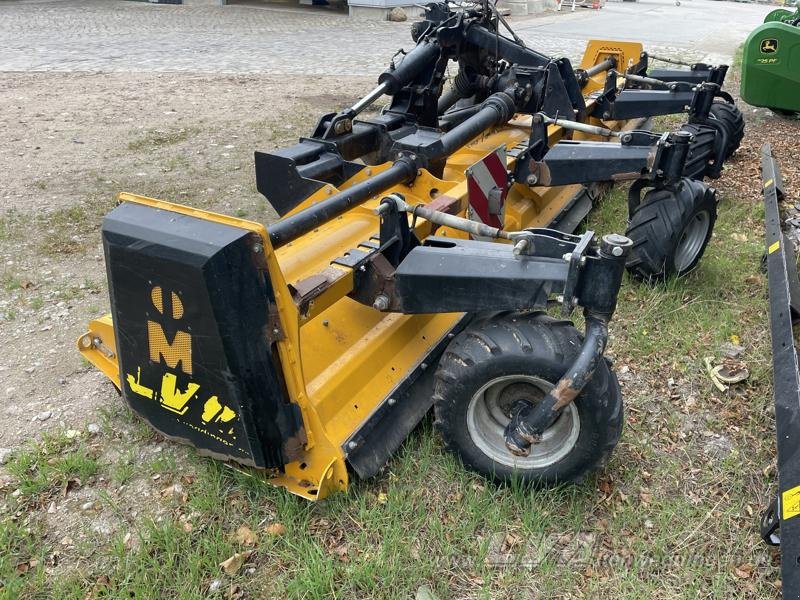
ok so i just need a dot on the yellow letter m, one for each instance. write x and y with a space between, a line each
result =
172 353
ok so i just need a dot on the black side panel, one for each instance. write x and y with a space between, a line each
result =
190 306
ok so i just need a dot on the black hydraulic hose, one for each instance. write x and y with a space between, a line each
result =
498 108
448 99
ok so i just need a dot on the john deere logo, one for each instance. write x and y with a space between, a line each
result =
769 46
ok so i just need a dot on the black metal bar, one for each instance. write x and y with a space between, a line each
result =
498 108
784 304
643 103
468 271
580 162
292 227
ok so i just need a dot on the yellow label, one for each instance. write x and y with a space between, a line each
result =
774 247
790 503
768 183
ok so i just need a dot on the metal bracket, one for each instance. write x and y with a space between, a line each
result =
784 304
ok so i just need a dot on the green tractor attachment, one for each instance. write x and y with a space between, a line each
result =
771 63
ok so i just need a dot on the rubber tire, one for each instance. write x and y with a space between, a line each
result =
701 156
656 226
732 118
524 344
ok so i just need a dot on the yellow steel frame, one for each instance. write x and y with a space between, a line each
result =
341 359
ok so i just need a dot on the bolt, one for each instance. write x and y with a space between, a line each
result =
86 341
381 302
391 402
258 248
276 331
532 179
362 268
424 366
352 445
567 257
560 299
616 251
325 323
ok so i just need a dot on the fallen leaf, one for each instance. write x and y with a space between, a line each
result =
232 565
744 571
245 536
382 498
275 529
341 552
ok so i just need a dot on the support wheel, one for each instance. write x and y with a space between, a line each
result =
701 160
732 118
670 230
500 362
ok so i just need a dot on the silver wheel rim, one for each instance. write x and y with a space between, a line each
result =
488 414
691 242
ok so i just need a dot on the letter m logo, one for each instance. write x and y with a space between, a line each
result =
179 349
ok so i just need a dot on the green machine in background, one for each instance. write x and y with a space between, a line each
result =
771 63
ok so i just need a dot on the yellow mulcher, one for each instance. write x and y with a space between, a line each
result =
415 256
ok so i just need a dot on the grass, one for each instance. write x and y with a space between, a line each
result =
155 138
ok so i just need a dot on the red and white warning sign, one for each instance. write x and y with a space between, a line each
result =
487 187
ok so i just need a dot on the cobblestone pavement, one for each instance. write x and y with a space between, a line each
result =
123 36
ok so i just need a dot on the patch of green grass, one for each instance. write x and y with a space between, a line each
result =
46 466
68 230
40 184
154 138
10 282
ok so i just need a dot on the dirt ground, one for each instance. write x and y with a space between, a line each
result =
71 142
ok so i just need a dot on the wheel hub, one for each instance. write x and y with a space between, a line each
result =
491 408
692 240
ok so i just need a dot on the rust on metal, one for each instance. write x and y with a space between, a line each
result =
564 393
293 447
446 204
632 176
306 290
